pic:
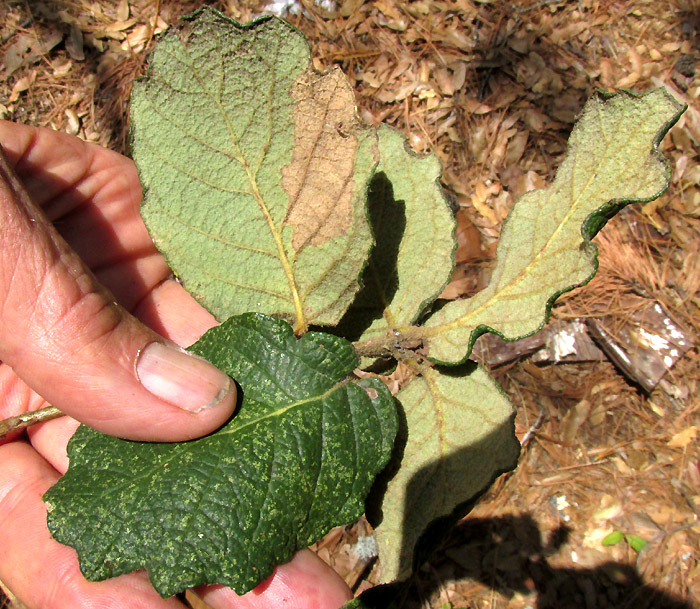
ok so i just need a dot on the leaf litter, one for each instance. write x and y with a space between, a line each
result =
472 82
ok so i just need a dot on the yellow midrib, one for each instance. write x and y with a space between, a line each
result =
301 323
499 293
287 408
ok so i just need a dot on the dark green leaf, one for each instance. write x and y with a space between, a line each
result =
296 460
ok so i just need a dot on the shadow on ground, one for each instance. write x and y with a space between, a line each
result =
508 554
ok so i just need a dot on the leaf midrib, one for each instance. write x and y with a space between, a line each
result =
283 410
500 291
185 446
301 323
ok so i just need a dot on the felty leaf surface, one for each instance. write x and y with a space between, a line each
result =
545 246
460 437
254 168
296 460
414 229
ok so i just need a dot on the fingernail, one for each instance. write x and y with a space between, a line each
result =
184 380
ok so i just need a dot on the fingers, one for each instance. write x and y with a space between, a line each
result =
169 309
66 337
91 193
304 583
173 313
41 572
50 440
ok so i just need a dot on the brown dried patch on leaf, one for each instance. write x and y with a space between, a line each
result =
310 180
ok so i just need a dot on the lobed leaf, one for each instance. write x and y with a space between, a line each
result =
460 437
255 169
296 460
545 247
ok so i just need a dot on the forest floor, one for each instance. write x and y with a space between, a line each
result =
492 87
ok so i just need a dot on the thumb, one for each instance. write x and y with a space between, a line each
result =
67 338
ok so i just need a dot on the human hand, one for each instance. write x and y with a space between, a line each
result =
102 348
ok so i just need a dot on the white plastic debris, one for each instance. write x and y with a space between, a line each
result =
366 548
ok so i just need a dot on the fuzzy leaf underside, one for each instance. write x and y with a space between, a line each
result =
545 248
296 460
414 230
460 437
254 168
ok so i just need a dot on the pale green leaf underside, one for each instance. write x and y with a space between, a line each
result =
414 229
296 460
254 170
545 246
460 437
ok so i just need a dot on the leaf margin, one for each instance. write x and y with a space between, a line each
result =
372 390
593 223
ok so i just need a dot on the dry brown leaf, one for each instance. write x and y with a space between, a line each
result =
123 10
21 86
482 192
683 438
73 122
573 420
476 107
137 38
516 148
392 17
568 32
468 239
74 43
456 289
527 182
26 50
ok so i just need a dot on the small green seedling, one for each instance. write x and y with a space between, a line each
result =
633 541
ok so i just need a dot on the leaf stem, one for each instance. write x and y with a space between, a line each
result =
27 419
373 347
405 339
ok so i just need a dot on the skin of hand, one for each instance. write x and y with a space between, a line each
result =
90 321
